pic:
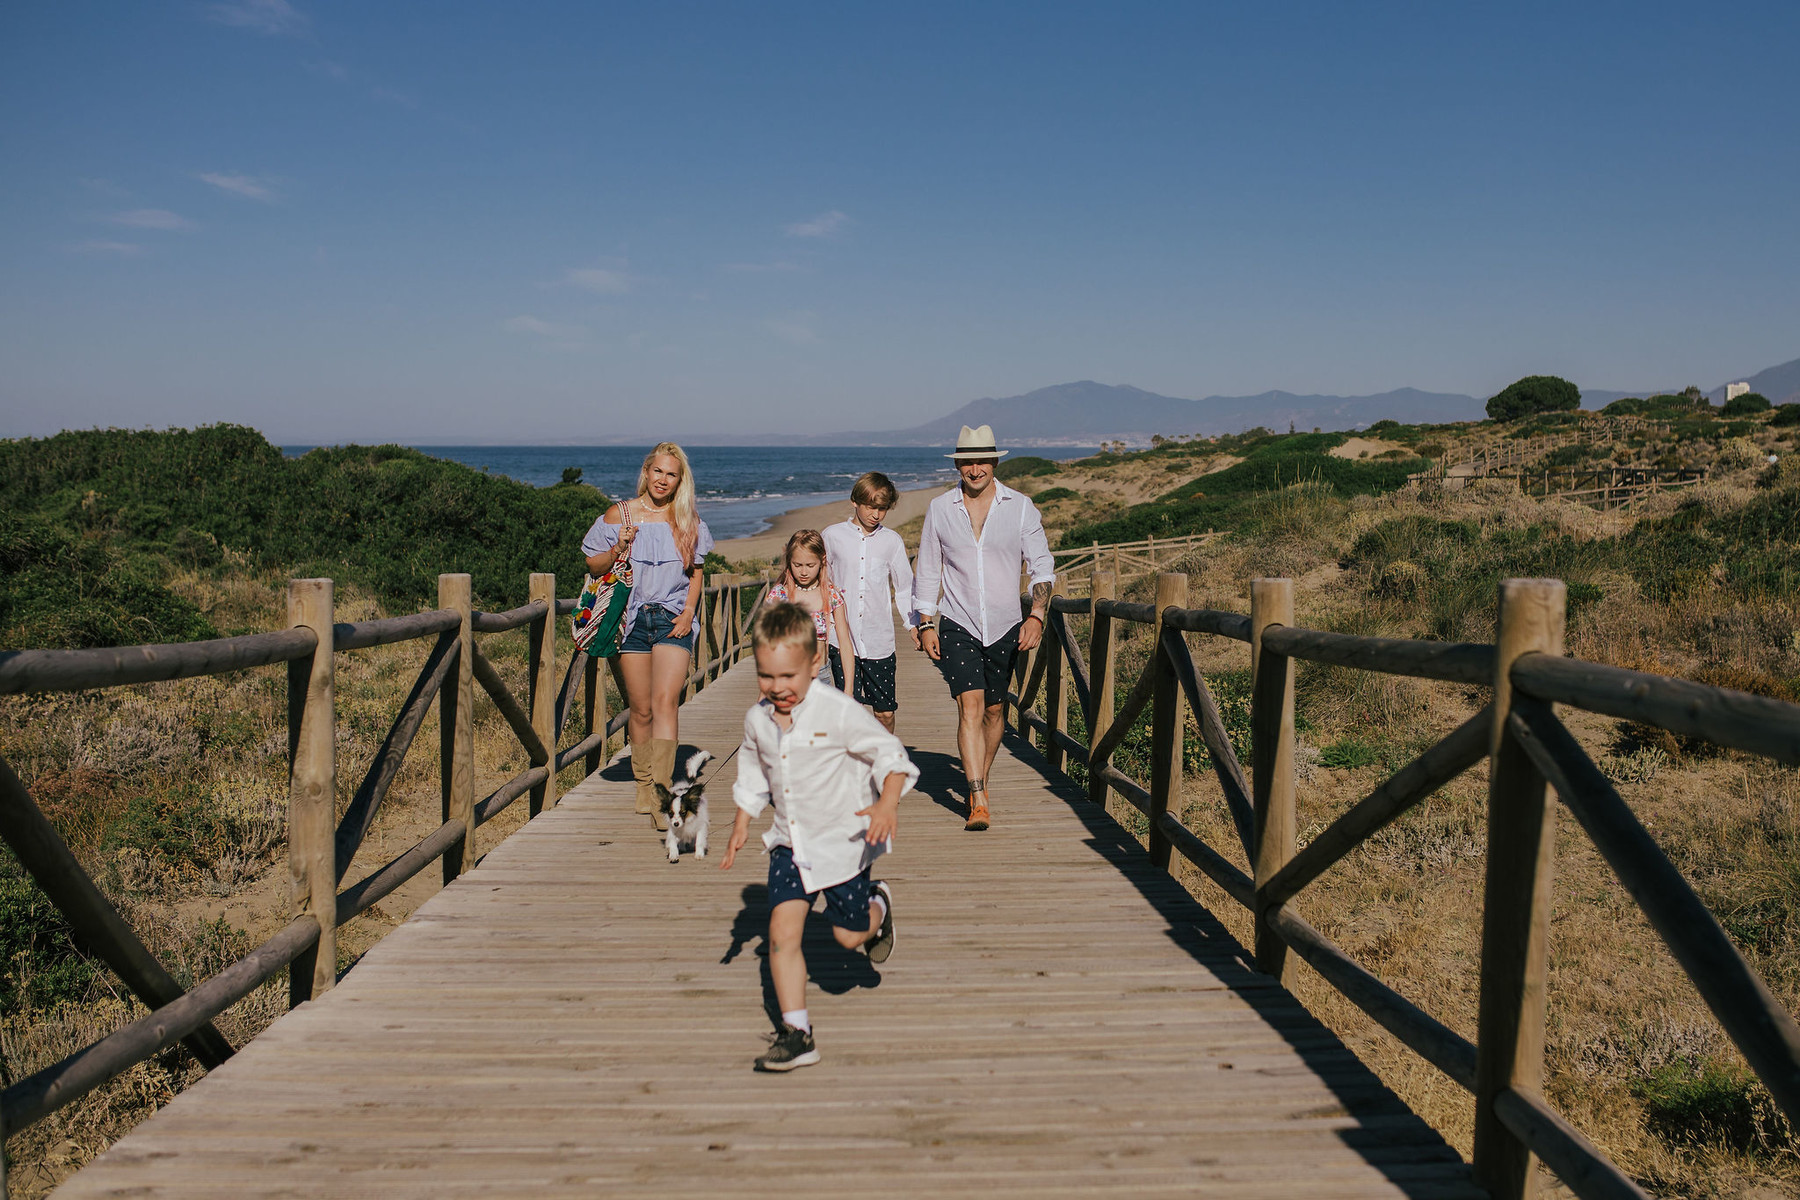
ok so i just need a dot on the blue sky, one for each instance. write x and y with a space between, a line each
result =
441 222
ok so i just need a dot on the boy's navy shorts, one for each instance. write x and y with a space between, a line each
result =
846 903
969 666
874 680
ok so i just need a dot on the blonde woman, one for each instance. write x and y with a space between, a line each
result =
665 540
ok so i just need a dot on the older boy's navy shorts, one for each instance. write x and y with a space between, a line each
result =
846 903
969 666
874 680
655 626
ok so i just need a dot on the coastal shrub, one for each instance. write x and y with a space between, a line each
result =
96 520
1534 394
1348 754
1228 499
1786 415
1029 464
39 962
1709 1103
1056 493
1746 405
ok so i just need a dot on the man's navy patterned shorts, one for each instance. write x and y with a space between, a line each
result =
969 666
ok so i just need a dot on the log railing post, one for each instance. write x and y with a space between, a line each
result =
1271 758
1056 707
1515 922
312 790
543 684
1102 676
456 729
593 711
1168 721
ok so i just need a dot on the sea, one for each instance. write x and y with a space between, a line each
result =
739 489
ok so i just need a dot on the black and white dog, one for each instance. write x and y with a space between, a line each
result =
684 804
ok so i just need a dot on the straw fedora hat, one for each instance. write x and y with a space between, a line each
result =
976 443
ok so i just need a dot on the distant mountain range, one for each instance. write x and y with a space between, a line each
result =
1088 413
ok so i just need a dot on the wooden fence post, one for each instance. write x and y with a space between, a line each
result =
1271 758
1515 922
456 730
543 684
312 790
593 709
1168 721
1102 675
1056 707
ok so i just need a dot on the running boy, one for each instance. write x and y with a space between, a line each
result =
818 757
865 560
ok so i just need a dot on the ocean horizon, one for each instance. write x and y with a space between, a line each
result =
739 489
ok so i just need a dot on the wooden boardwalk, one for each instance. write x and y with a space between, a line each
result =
576 1017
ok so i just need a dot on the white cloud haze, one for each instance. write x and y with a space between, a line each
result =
151 218
248 186
270 17
598 279
826 224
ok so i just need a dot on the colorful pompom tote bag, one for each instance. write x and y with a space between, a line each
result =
599 620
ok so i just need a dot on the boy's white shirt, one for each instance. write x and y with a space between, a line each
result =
864 565
979 577
818 774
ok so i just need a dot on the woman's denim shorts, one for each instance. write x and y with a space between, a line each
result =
654 627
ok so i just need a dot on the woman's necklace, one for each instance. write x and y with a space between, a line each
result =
650 508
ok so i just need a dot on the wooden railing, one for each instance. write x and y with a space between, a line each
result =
322 845
1124 559
1528 750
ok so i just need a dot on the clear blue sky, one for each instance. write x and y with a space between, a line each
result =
429 221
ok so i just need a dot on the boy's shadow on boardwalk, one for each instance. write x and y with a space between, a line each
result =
939 774
829 967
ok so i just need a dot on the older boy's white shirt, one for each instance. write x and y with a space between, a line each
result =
864 565
819 774
980 579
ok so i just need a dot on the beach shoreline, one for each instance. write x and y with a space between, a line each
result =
770 542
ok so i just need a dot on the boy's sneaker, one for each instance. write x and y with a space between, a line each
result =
882 944
789 1049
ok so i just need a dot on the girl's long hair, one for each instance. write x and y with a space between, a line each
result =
807 539
684 518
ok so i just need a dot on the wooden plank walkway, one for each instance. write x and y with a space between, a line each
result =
577 1017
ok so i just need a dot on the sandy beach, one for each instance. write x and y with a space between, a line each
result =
769 544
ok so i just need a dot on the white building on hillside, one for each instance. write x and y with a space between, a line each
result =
1734 390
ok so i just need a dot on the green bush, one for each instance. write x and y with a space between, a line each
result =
1029 464
1056 493
1746 405
1534 394
1348 754
1709 1103
96 520
1785 415
39 962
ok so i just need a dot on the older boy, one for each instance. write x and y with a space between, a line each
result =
865 560
817 756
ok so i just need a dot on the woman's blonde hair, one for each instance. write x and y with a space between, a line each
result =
807 539
684 518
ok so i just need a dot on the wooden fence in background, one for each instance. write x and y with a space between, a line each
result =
1528 749
322 845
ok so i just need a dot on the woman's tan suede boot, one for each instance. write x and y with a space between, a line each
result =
643 770
662 766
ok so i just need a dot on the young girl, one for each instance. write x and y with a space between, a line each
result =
806 581
666 541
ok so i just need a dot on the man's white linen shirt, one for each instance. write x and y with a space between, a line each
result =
819 773
864 565
980 577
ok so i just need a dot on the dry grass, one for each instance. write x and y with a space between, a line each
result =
174 796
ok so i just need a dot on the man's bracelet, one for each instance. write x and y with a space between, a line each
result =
1034 617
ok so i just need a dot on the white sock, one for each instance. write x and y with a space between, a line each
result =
875 898
797 1020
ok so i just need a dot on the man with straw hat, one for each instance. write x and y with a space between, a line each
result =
975 541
